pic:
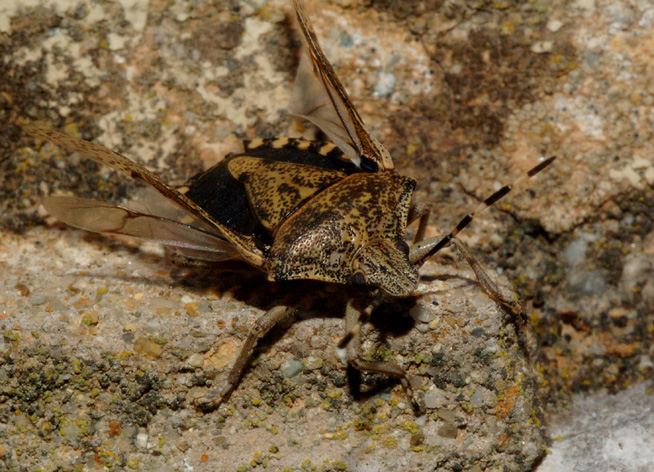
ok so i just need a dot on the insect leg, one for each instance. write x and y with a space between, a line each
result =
353 323
422 251
505 298
419 211
261 326
353 317
492 289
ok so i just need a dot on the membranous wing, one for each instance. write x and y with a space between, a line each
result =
320 98
100 217
243 244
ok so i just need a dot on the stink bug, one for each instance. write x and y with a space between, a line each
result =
334 211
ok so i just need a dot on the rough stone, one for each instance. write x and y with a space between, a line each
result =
464 104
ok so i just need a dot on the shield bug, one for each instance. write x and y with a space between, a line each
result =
334 211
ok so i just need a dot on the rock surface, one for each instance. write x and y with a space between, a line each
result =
617 428
104 354
104 347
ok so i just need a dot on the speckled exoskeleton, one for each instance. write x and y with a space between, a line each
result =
334 211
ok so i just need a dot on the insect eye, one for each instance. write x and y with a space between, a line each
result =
402 246
358 278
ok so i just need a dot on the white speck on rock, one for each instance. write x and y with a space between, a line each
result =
586 7
385 84
116 41
142 440
554 25
628 174
432 399
542 47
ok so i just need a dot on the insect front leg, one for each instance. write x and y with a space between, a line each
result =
505 298
420 252
353 316
493 290
419 211
261 326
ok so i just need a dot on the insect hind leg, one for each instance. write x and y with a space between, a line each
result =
261 326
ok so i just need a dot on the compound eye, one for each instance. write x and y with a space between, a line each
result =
402 246
358 278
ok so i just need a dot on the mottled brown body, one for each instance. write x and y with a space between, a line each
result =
324 240
323 224
276 189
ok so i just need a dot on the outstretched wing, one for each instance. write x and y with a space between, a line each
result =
100 217
320 98
243 244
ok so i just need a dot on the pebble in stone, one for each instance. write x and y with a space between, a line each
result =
196 360
38 299
432 399
422 312
152 326
448 430
554 25
142 440
147 347
422 327
91 319
477 398
385 84
313 363
291 368
542 47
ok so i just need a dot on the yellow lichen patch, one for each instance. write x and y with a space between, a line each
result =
147 347
191 309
